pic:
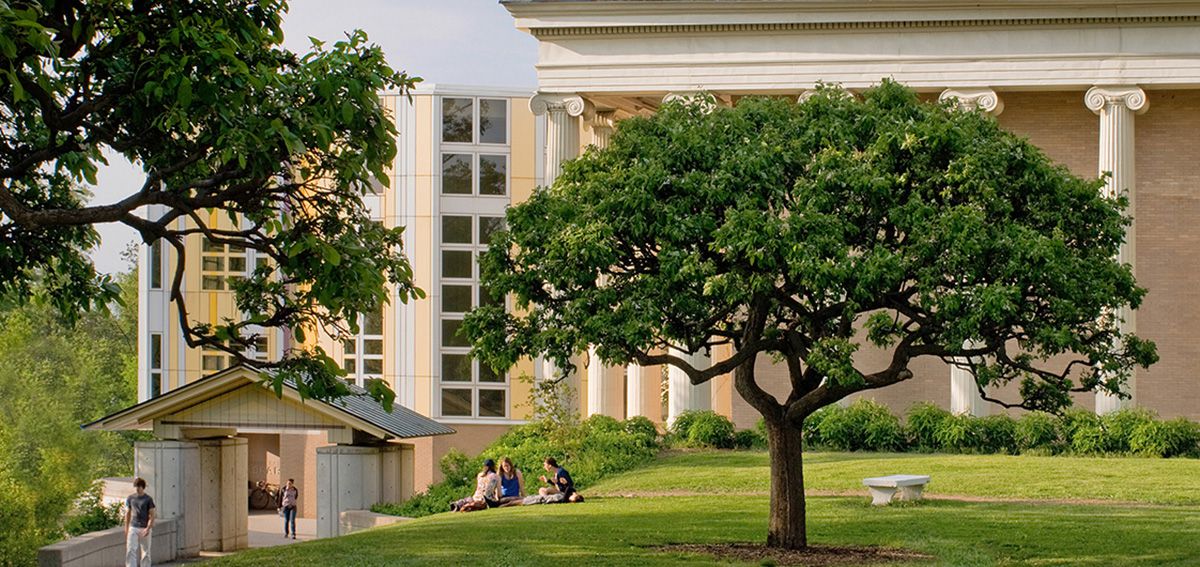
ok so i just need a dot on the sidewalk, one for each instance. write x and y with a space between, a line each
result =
265 530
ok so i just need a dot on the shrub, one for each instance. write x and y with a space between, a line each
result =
955 434
641 427
705 429
864 425
924 420
683 423
811 429
1172 438
91 514
996 434
749 439
1120 425
1037 431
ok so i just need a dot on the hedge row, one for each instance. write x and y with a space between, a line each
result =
590 450
868 426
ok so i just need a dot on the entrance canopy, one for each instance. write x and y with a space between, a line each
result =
238 399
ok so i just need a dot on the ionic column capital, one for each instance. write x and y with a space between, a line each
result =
984 99
572 104
1130 97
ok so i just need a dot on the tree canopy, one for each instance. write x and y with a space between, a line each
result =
201 95
807 232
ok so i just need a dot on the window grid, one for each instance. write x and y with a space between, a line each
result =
362 355
156 356
220 264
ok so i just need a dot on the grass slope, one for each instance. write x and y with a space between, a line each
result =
622 531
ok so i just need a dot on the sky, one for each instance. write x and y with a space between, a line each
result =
470 42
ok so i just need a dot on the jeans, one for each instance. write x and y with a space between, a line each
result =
289 519
137 548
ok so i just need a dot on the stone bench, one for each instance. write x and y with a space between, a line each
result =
883 488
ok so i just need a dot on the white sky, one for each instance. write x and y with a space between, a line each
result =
470 42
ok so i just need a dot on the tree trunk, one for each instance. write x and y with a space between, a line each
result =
786 529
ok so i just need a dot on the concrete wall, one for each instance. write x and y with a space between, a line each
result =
107 548
223 494
172 473
355 478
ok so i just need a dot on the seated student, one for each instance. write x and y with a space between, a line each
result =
487 491
512 483
559 482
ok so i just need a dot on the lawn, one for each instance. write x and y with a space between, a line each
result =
614 530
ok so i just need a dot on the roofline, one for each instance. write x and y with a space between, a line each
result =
428 89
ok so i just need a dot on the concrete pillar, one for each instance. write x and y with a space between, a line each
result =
635 403
597 391
224 494
1117 106
172 473
351 477
964 393
682 395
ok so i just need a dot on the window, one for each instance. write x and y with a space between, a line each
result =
475 146
220 264
213 359
468 388
362 355
156 358
156 264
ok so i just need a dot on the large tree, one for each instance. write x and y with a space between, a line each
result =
807 232
201 95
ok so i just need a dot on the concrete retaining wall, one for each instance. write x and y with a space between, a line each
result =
352 521
107 548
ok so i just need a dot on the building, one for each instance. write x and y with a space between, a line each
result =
1100 85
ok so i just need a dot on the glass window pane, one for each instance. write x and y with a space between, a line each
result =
213 264
456 368
373 323
493 175
456 402
212 282
493 121
492 403
237 264
485 297
456 264
373 366
155 385
211 362
372 346
210 246
456 119
456 230
450 335
348 346
156 350
350 365
487 226
486 374
456 174
456 298
156 264
237 249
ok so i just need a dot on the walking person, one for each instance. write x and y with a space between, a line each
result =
139 521
288 496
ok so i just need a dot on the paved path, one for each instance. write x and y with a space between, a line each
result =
266 530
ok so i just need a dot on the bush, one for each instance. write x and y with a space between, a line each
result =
1038 431
864 426
683 423
641 427
749 439
1177 437
709 429
955 434
811 429
1120 425
996 434
924 421
91 514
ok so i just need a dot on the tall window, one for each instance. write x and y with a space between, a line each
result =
219 264
474 146
156 359
363 355
156 264
468 388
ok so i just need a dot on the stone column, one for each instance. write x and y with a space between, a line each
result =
1117 106
172 473
597 398
223 494
964 391
562 143
635 403
682 395
562 128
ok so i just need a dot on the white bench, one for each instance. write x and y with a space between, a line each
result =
883 488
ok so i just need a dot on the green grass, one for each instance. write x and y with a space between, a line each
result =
1151 481
623 531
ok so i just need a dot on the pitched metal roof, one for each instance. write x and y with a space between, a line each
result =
358 410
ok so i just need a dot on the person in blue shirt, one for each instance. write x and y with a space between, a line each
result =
559 481
512 483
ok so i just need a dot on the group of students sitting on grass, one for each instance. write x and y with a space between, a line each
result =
506 487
